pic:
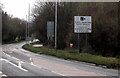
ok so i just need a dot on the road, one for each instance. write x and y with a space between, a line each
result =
17 62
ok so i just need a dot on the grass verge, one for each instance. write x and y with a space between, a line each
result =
110 62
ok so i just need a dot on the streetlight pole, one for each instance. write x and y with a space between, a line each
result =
56 25
28 20
26 29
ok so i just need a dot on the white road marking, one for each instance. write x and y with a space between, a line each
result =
0 59
31 63
8 55
15 58
11 56
20 63
15 65
19 66
3 74
58 73
35 65
30 59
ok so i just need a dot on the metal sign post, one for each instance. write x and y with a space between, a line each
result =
82 24
86 42
79 43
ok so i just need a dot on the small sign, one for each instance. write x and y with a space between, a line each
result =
82 24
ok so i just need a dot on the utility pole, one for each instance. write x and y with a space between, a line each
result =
28 20
56 25
26 29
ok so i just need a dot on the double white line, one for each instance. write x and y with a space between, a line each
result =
19 66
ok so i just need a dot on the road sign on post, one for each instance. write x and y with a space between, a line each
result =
82 24
50 29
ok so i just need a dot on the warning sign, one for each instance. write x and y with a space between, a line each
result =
82 24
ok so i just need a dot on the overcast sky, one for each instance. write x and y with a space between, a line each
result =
17 8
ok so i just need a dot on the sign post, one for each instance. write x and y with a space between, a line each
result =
82 24
50 31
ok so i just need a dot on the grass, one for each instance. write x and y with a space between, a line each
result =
110 62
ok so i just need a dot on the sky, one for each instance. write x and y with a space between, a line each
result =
17 8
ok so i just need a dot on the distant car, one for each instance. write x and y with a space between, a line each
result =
35 40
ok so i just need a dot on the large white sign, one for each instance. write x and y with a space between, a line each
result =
82 24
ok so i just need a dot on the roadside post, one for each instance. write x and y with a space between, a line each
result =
82 24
